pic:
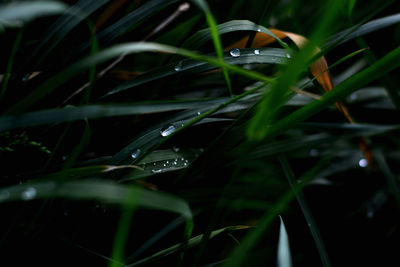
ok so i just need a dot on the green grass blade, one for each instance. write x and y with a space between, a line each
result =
97 190
202 4
306 211
386 64
202 36
10 64
284 258
247 56
52 83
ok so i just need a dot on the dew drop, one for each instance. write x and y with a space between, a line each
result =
135 154
182 159
185 164
165 165
288 55
257 52
259 30
29 193
175 149
235 52
175 162
167 130
154 164
167 162
178 67
198 113
362 163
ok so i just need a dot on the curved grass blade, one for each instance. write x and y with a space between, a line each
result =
202 4
284 258
388 63
61 28
357 31
203 36
15 13
247 56
306 211
58 79
194 241
97 190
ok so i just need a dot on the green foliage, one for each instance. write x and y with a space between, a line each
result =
121 143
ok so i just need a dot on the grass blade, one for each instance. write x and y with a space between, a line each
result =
284 258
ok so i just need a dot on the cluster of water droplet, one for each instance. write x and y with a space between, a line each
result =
167 165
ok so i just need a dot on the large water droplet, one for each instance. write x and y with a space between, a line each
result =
363 163
29 193
178 67
167 130
235 52
257 52
135 154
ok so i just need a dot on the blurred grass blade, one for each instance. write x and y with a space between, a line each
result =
247 56
97 190
138 47
306 211
61 28
284 258
10 63
358 31
194 241
15 13
388 63
202 4
88 171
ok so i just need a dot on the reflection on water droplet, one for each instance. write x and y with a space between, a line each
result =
175 162
154 164
29 193
176 149
288 55
182 158
178 66
259 30
165 165
198 113
4 195
167 162
185 164
235 52
136 153
257 52
363 163
156 171
167 130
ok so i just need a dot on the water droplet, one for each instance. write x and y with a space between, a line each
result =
167 130
288 55
135 154
154 164
182 159
176 149
185 164
178 67
257 52
175 162
156 171
4 195
235 52
363 163
198 113
29 193
259 30
314 152
167 162
186 161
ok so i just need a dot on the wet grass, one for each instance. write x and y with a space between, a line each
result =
130 135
